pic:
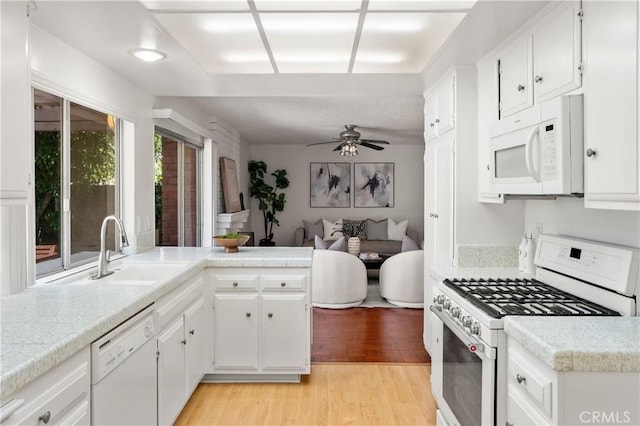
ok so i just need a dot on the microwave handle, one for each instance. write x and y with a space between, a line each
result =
528 154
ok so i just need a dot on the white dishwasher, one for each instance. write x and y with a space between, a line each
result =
124 374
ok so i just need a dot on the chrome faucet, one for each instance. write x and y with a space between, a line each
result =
103 259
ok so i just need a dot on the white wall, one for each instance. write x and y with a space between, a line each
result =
295 159
568 216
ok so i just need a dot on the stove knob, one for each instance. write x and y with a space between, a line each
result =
475 328
466 321
447 303
440 299
455 312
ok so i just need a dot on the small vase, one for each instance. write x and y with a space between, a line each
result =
353 246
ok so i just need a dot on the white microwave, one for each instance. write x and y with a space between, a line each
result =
539 151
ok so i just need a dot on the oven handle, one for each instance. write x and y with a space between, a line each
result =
474 345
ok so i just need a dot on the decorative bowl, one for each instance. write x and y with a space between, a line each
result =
230 244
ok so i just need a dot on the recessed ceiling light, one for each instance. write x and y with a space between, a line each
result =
148 55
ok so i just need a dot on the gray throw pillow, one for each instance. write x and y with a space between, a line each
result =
354 228
377 230
338 245
313 229
408 244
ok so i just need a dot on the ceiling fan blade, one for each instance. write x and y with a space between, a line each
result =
339 147
321 143
374 141
372 146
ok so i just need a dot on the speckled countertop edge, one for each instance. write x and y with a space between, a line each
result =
28 359
609 344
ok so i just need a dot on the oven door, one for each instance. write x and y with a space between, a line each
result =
463 376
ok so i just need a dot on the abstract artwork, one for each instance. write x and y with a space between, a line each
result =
330 184
373 183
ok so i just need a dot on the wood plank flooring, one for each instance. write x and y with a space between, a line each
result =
369 367
334 394
368 335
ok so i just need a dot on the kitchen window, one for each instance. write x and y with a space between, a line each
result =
76 181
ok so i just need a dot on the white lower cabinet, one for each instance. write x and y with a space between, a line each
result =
181 343
262 324
61 396
536 394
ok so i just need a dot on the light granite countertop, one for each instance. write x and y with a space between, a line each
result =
605 344
42 326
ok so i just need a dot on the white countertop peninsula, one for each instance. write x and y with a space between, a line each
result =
594 344
46 324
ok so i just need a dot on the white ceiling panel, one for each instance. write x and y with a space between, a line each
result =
196 6
311 42
422 5
315 5
402 42
221 43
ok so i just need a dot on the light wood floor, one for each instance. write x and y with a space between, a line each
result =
334 394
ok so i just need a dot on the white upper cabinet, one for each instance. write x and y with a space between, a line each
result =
611 156
515 70
557 53
543 63
439 109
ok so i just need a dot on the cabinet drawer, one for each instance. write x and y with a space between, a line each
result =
520 413
60 396
173 305
235 282
526 377
283 282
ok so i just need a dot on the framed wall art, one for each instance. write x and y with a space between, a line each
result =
373 184
230 185
330 184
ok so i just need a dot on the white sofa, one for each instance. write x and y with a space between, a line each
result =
402 279
339 280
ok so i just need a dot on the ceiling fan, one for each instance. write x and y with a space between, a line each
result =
349 139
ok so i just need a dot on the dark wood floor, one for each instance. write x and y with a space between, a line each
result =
368 335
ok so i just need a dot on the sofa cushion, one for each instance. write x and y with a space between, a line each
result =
338 245
408 244
395 231
313 228
377 230
354 228
332 230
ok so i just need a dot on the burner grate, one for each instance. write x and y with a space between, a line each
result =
521 296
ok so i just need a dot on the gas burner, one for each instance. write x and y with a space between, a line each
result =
518 296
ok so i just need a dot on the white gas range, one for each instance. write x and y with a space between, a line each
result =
574 277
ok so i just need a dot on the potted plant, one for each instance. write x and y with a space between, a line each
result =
270 201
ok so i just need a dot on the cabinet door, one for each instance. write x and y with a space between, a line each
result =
610 105
194 318
171 391
285 321
430 117
445 107
439 193
236 331
557 53
515 77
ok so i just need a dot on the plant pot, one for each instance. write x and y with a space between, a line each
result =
266 243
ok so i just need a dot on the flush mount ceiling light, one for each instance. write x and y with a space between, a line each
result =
148 55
